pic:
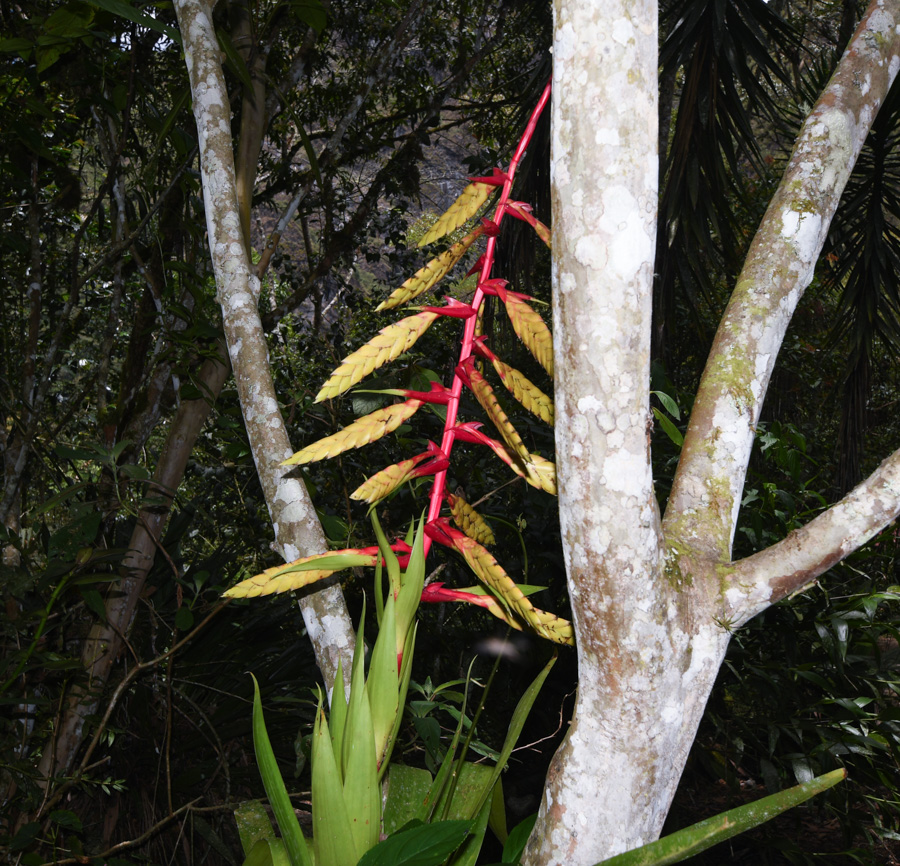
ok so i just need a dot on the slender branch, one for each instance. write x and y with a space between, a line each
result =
706 493
116 696
401 37
297 528
794 563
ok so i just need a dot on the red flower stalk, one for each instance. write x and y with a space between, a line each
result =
485 286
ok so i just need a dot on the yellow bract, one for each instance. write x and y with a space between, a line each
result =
525 391
424 278
389 343
469 520
362 431
461 211
387 480
531 330
485 396
492 575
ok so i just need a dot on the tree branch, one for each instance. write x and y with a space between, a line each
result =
297 528
794 563
706 494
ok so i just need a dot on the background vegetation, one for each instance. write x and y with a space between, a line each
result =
107 317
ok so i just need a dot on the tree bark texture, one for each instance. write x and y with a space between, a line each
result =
298 531
654 605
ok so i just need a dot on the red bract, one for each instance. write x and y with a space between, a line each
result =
498 178
437 394
485 286
436 592
476 268
457 309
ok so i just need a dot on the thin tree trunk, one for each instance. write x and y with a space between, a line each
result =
298 531
104 642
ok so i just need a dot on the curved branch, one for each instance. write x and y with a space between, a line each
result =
794 563
706 493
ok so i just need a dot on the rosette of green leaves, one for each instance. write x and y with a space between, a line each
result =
352 748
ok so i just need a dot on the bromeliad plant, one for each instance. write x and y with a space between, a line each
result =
443 818
469 534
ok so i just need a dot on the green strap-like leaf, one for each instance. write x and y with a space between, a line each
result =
423 845
698 837
331 824
275 790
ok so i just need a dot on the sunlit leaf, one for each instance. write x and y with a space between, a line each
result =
362 431
385 346
460 212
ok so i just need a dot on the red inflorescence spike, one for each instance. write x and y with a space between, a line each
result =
456 309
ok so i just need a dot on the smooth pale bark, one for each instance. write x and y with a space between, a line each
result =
297 528
653 606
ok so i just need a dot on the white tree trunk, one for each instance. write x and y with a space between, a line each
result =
653 605
298 531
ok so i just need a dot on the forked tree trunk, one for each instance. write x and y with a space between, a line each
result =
654 603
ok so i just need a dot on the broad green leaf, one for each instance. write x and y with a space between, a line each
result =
698 837
467 853
310 12
288 825
422 845
473 784
268 852
331 825
407 788
518 837
383 684
253 824
668 404
669 428
126 10
15 44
